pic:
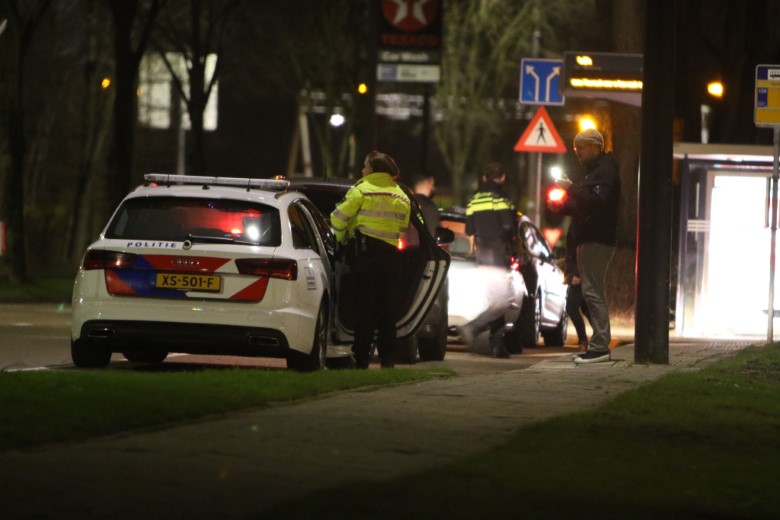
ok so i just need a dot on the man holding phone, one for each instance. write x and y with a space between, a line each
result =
593 207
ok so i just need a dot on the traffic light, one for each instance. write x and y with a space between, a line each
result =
555 196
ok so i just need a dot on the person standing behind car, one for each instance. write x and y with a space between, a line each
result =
423 191
593 206
371 219
492 220
575 304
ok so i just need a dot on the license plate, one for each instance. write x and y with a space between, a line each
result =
189 282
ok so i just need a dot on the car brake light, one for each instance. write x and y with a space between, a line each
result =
401 244
102 259
283 268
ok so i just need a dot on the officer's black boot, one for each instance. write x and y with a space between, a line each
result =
498 345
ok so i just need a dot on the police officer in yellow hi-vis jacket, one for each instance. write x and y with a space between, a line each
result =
370 220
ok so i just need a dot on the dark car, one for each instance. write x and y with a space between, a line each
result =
420 251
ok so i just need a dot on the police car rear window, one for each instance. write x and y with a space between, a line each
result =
179 219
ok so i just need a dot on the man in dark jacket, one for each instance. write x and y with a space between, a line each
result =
423 193
492 220
593 206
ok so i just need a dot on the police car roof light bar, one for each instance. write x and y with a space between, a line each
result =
263 184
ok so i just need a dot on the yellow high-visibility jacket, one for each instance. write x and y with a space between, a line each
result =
376 206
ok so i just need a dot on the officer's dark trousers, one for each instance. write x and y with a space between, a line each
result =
378 272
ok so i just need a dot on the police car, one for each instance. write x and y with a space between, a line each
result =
216 265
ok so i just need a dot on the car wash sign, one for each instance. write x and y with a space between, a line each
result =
409 46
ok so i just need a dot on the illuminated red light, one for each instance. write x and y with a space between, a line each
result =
401 244
556 195
101 259
283 268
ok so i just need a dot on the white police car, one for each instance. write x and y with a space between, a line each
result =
200 265
215 265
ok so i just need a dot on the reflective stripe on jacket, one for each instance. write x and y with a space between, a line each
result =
490 216
376 206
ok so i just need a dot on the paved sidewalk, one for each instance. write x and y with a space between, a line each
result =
237 466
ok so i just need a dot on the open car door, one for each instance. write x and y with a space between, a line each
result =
424 272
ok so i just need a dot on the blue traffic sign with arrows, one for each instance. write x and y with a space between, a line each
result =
540 81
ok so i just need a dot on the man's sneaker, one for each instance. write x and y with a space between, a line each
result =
593 356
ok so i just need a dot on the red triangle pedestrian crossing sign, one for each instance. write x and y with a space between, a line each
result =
540 136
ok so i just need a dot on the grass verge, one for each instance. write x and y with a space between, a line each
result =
47 406
704 444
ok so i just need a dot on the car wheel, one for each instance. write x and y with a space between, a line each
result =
145 356
88 355
406 351
314 360
434 349
530 320
557 337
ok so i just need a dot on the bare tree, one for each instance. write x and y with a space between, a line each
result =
23 19
319 57
194 32
95 117
483 43
133 22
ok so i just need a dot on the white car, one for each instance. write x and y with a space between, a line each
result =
215 265
536 286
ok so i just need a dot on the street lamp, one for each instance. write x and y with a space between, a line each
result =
336 119
586 122
714 89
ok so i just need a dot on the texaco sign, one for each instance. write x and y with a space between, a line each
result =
409 40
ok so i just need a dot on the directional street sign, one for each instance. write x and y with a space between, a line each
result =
540 136
539 82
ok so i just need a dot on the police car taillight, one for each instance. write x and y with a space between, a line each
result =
283 268
102 259
401 244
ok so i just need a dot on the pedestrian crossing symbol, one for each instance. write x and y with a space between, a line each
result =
540 136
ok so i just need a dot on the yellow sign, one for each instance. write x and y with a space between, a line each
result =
767 96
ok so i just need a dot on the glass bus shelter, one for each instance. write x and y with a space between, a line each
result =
724 241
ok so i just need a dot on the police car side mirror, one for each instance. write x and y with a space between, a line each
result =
444 235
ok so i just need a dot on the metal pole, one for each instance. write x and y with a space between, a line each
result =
770 309
538 205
